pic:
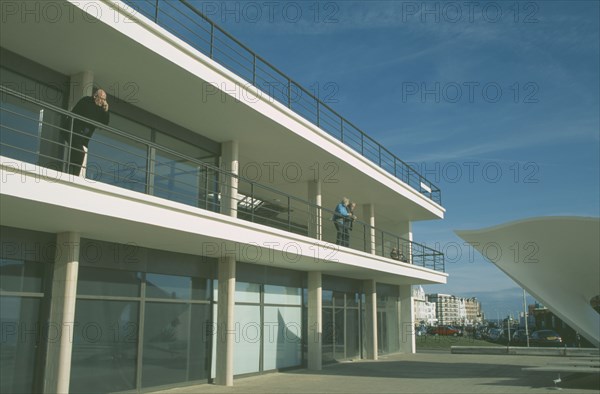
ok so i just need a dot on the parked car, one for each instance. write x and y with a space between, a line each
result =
499 335
519 337
446 330
545 338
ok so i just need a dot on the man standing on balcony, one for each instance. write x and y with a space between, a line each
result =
349 222
96 109
339 219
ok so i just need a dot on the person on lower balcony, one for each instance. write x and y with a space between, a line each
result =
96 109
349 223
339 217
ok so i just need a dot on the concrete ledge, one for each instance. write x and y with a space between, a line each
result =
558 368
524 351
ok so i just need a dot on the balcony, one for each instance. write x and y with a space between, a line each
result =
190 25
40 133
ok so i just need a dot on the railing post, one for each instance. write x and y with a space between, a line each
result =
254 70
289 214
318 113
252 199
290 94
212 39
69 146
341 129
156 12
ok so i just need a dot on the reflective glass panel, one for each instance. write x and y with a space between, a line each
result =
104 346
282 344
101 281
21 335
247 339
18 275
176 343
282 295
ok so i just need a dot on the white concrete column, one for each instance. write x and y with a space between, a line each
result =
370 335
62 313
369 218
407 320
229 187
315 219
225 321
80 85
315 321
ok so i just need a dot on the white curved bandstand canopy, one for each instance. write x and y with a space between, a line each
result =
556 259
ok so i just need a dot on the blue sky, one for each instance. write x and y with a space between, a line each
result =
495 102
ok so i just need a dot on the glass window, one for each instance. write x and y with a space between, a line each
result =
130 127
20 129
177 179
339 299
176 342
101 281
168 286
20 340
183 147
247 339
352 333
17 275
117 160
327 297
247 292
32 130
104 346
282 343
283 295
328 329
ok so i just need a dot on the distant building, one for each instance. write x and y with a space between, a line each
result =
451 309
425 312
473 310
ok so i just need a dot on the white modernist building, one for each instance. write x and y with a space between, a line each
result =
196 244
556 259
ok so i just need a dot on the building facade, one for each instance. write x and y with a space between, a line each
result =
473 312
196 244
425 311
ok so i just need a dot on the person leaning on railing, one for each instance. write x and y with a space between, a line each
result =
339 220
349 222
94 108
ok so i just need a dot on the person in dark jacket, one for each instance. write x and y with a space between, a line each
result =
94 108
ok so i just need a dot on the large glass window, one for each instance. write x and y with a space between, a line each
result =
21 293
99 281
29 132
341 325
116 310
388 325
175 343
118 160
247 339
105 340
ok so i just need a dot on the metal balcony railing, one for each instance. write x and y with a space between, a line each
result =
189 24
36 132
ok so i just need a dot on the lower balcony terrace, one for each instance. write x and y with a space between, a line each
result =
42 134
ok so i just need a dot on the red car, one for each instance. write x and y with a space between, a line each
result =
446 330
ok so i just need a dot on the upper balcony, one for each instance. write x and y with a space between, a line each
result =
188 23
188 71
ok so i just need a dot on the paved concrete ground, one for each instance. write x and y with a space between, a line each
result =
426 372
